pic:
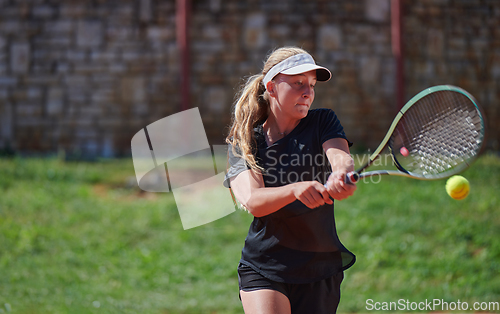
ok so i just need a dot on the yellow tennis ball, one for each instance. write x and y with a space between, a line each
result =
457 187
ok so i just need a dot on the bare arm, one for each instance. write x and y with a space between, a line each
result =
337 152
249 189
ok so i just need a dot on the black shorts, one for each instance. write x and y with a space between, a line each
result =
318 297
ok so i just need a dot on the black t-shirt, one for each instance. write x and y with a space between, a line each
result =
295 244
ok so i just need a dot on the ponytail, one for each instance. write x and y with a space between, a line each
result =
250 109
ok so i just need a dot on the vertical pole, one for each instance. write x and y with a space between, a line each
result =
397 50
182 32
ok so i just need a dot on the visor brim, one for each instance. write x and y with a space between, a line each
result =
322 73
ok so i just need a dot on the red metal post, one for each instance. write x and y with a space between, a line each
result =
182 32
397 49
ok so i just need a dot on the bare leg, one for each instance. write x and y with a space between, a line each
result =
265 302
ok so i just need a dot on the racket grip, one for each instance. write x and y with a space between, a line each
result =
352 177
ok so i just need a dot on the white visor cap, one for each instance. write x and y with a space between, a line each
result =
297 64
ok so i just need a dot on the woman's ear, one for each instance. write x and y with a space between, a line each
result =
271 88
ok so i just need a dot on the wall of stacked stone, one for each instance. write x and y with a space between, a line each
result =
456 42
85 76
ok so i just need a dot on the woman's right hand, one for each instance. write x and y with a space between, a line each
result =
311 193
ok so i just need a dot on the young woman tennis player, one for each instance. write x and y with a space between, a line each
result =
279 151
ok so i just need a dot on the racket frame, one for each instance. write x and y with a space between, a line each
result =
355 176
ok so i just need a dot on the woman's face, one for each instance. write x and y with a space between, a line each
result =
294 93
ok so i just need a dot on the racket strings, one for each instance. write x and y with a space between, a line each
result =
440 132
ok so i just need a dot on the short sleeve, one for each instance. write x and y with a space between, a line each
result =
330 127
236 165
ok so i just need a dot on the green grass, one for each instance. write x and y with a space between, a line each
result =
80 237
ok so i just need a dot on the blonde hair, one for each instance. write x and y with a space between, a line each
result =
252 108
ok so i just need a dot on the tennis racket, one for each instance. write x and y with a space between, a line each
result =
437 134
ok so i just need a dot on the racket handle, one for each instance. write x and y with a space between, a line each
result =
352 177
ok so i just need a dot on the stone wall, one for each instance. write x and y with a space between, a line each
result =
456 42
84 76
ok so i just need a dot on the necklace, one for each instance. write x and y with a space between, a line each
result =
271 139
282 134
